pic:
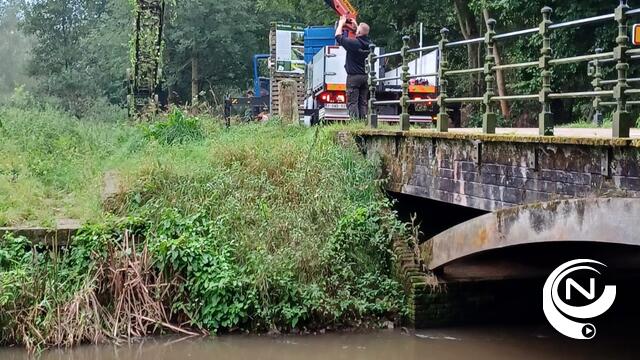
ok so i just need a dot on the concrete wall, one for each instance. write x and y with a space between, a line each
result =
492 172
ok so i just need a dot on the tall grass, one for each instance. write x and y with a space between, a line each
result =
257 227
51 165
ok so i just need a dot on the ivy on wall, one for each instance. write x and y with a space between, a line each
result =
146 55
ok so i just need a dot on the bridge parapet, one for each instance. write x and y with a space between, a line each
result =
492 172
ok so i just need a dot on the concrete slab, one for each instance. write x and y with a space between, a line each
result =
577 136
559 132
595 220
61 236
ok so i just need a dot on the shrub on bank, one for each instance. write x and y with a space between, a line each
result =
259 228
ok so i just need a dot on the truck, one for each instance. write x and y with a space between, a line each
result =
322 90
257 102
325 82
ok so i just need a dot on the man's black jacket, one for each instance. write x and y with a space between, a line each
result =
357 52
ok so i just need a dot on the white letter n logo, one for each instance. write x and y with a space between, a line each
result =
590 295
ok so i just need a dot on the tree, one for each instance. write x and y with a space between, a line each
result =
14 46
470 30
59 26
105 49
516 15
500 81
214 39
80 47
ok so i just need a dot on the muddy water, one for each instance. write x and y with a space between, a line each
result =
477 343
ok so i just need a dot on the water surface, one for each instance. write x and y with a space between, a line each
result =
477 343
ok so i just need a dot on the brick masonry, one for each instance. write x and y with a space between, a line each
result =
432 303
494 172
409 271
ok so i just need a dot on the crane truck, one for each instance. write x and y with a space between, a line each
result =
326 77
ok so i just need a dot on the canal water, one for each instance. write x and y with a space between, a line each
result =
477 343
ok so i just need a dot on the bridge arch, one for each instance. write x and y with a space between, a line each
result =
595 220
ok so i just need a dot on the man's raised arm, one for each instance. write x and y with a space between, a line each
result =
345 42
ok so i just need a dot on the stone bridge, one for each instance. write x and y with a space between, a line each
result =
580 187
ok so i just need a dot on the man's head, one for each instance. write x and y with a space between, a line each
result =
363 29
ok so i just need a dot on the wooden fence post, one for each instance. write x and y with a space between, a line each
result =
289 108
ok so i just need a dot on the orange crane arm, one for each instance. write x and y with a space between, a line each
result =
344 8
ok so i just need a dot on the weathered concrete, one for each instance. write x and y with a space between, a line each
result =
113 191
493 172
60 236
534 132
585 220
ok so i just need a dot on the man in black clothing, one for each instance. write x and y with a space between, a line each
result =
357 79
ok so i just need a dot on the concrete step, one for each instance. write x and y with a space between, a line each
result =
65 230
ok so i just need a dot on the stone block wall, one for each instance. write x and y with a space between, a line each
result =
491 172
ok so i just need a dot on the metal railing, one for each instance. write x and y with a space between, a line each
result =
621 56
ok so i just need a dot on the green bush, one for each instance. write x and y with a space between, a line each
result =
271 227
39 294
226 286
176 129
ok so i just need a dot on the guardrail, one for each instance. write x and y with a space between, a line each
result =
621 56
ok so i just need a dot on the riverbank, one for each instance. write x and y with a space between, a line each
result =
261 228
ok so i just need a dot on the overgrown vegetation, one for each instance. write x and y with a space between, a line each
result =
52 164
103 287
176 129
260 227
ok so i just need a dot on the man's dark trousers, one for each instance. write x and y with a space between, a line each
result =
357 95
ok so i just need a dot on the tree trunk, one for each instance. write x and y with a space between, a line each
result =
469 29
195 89
502 88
